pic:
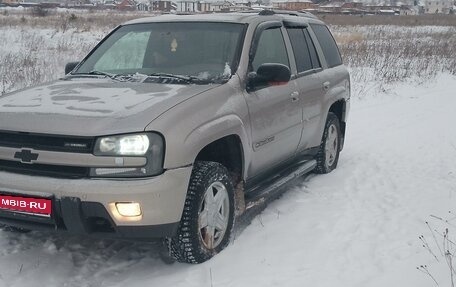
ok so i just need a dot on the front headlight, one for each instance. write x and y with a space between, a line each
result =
147 145
123 145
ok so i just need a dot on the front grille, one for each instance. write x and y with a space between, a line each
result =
44 169
50 143
47 142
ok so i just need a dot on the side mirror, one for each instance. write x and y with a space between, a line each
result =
269 74
70 67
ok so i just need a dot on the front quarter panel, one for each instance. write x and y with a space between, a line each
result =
201 120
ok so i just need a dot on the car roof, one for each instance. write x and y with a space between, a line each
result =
246 17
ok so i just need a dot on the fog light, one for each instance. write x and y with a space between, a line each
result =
128 209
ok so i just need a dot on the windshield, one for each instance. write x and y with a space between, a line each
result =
203 51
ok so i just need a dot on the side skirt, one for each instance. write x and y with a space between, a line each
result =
259 196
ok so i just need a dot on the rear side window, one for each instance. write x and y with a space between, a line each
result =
328 45
300 49
313 52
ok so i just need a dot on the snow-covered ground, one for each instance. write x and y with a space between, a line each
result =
358 226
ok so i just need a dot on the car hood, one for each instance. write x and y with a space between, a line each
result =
90 106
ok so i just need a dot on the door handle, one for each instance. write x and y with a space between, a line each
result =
326 86
294 96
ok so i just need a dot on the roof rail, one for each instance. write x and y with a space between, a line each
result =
268 12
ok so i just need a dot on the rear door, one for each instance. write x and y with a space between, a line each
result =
309 82
334 75
275 113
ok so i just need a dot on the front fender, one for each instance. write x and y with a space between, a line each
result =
201 120
216 129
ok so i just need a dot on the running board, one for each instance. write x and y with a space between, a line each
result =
260 194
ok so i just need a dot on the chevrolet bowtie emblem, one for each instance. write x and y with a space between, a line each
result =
26 156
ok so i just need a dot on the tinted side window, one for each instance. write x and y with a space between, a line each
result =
328 45
313 52
271 49
300 49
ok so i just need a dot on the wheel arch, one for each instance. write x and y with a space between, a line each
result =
339 108
228 151
222 141
227 146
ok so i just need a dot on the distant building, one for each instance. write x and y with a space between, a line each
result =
260 7
9 2
407 10
331 7
204 6
340 7
383 9
387 12
187 6
294 5
109 5
221 6
438 6
193 6
126 5
143 6
164 6
241 5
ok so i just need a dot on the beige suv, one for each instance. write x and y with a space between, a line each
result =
173 127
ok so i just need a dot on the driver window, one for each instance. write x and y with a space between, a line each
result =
271 49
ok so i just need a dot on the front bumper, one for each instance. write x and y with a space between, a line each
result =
82 206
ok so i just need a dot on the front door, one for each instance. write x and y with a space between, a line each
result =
275 113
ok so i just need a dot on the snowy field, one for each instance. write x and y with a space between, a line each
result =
362 225
356 227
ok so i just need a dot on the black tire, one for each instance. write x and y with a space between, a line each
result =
324 165
188 246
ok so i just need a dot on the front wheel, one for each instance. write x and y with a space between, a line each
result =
328 154
208 216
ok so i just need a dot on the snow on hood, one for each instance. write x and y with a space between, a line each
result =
90 106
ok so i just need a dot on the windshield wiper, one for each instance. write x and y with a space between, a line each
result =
184 78
98 73
117 77
138 77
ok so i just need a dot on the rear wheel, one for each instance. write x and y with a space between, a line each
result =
208 217
328 154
